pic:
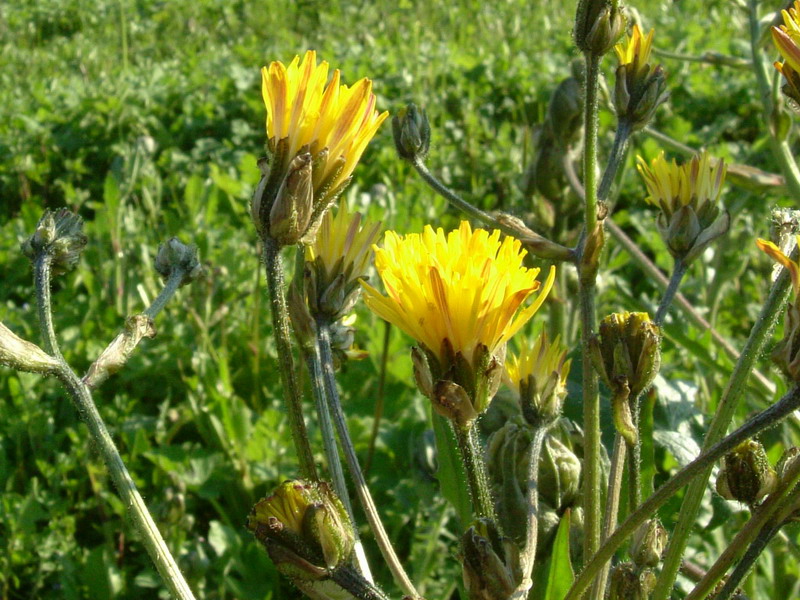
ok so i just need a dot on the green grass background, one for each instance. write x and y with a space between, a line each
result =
146 118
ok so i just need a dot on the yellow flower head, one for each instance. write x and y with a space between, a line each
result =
339 120
778 256
787 39
466 287
539 360
635 49
344 244
287 506
671 186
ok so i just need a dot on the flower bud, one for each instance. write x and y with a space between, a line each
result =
290 214
451 401
639 87
117 353
22 355
174 254
598 26
628 583
60 235
508 454
559 474
648 543
305 529
412 133
746 474
490 562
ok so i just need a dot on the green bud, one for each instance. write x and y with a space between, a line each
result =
451 401
559 474
490 562
22 355
628 583
648 543
508 454
305 529
59 234
638 92
565 112
598 26
746 474
412 133
174 254
290 214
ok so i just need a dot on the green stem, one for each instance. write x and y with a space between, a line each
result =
669 294
131 498
764 523
711 58
356 584
379 400
762 421
332 452
635 458
719 425
612 510
167 292
527 556
41 275
755 549
475 469
291 390
586 293
553 251
384 543
621 137
780 148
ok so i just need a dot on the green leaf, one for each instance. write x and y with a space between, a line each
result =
450 473
560 574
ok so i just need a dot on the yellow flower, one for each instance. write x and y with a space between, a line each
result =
635 49
334 122
467 288
540 361
787 37
343 245
671 186
778 256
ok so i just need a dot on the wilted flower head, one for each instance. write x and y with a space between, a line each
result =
688 197
746 474
59 234
787 40
316 136
462 296
786 353
538 374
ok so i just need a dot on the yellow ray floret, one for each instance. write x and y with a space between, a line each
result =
539 360
778 256
787 39
306 112
466 286
671 186
635 47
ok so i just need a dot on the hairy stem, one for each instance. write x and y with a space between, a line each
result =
171 286
357 585
384 543
669 294
332 452
469 447
41 276
621 136
379 400
131 498
291 390
719 425
762 421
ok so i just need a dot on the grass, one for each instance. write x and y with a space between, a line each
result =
146 118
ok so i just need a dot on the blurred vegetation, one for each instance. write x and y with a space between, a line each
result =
146 118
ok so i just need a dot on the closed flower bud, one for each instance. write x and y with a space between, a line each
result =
508 454
565 113
22 355
290 214
451 401
559 474
490 562
59 234
305 529
598 25
628 583
746 474
412 133
648 543
173 255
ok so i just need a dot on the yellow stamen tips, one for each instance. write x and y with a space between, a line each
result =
635 48
778 256
466 287
787 39
539 360
672 186
310 115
